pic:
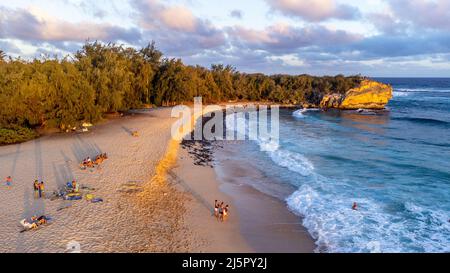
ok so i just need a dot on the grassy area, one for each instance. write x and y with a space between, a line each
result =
16 134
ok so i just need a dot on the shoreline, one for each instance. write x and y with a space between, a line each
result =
258 223
269 226
145 209
214 236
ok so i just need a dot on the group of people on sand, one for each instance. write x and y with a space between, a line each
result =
72 187
221 210
34 222
89 163
38 189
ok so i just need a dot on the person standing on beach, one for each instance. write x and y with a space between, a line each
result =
41 189
216 208
221 213
9 181
36 188
74 186
225 211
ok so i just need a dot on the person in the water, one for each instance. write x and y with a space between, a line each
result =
355 206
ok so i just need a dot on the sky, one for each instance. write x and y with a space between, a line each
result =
377 38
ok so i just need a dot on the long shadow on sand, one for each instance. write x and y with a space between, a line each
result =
39 168
127 130
82 149
197 196
30 206
65 170
21 241
16 157
62 175
39 204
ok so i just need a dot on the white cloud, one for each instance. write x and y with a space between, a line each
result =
31 25
288 60
434 14
314 10
178 18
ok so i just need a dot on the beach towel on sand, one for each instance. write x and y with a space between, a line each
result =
73 197
92 198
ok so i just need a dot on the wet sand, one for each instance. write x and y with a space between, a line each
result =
201 188
257 222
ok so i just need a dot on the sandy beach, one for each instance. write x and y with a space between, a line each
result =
120 223
153 199
257 222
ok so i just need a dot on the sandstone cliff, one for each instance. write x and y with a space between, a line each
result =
368 95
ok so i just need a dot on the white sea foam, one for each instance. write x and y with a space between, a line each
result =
325 205
401 94
423 89
304 110
301 112
405 92
337 228
268 145
291 160
298 114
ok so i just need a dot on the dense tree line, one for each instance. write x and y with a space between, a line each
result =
102 78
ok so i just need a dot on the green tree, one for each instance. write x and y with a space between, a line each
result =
2 56
102 78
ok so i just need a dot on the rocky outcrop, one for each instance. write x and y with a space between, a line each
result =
332 101
368 95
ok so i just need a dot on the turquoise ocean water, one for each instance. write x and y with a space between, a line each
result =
395 164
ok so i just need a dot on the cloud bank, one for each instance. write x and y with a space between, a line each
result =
275 36
315 10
